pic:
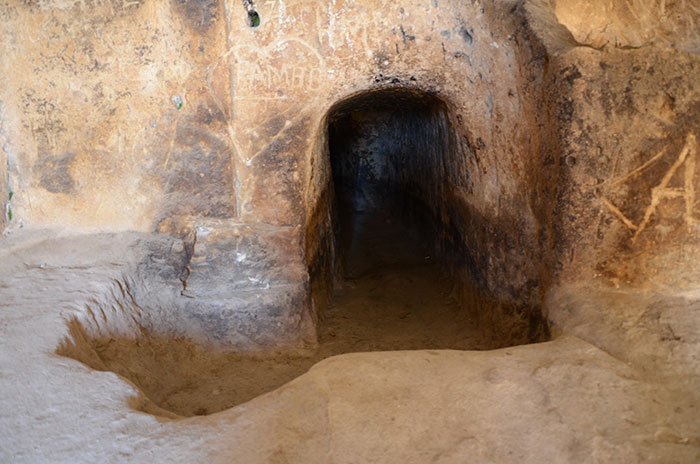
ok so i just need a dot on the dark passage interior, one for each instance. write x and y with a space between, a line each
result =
387 153
383 149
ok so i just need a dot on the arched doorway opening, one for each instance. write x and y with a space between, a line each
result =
388 230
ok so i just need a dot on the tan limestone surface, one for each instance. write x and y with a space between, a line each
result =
179 117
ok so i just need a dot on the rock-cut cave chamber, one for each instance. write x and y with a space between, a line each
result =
391 274
350 231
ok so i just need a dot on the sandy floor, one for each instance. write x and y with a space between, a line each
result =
394 296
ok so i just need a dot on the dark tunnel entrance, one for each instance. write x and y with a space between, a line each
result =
387 152
398 233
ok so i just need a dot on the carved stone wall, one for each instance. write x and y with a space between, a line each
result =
111 112
208 121
627 196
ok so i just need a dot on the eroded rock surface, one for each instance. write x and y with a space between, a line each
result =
556 167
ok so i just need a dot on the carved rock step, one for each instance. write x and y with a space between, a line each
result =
230 256
247 285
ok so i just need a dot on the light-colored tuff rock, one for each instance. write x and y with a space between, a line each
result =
175 176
